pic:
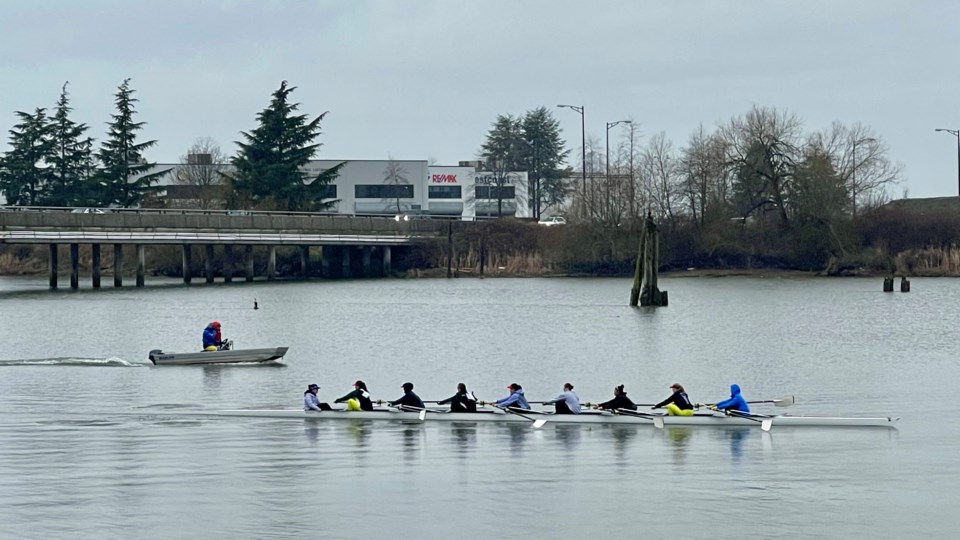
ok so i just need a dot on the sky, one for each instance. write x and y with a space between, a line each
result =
424 79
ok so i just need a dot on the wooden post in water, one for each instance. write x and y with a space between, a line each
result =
888 284
449 249
904 284
53 266
95 265
646 272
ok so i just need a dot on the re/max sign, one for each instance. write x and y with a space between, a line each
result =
444 179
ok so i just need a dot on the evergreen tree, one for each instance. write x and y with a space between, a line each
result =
24 172
269 164
544 154
502 153
71 158
122 178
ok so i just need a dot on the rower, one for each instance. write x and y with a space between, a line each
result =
462 401
310 402
359 399
619 401
735 403
212 341
516 398
566 403
409 399
678 404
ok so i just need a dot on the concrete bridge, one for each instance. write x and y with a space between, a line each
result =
340 239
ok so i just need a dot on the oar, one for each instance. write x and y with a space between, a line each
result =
782 402
405 408
765 424
537 422
657 419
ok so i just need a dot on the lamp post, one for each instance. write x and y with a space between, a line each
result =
955 133
853 175
583 141
607 175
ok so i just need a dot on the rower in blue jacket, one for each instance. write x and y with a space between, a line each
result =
515 399
735 403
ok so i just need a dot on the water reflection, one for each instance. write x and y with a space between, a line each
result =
411 440
464 437
736 436
569 436
212 377
359 431
679 440
622 437
518 437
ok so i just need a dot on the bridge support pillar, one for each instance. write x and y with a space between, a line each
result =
118 265
208 263
141 264
324 262
74 266
227 263
366 261
53 266
95 265
248 261
386 260
272 263
304 261
345 262
187 263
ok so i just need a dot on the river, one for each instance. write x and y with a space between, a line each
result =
96 443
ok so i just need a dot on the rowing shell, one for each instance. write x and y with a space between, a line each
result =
716 420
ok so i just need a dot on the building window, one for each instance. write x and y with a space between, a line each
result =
495 192
443 192
380 191
328 191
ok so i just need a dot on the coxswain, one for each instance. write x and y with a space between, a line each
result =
358 400
619 401
735 403
566 403
462 401
408 399
516 398
678 404
212 339
310 402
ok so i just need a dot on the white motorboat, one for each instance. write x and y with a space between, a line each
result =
588 417
231 356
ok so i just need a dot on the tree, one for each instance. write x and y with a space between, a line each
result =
395 175
122 177
544 155
705 178
204 167
24 172
71 159
660 169
269 164
501 154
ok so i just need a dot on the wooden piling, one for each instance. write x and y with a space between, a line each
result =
904 284
888 284
646 272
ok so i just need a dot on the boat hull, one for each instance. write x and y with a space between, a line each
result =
716 420
233 356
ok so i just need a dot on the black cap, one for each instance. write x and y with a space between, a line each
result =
313 387
408 386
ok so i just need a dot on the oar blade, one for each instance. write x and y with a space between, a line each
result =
784 402
537 424
658 422
423 414
766 425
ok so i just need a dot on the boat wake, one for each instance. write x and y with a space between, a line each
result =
70 361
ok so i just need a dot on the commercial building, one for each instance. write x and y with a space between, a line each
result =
391 187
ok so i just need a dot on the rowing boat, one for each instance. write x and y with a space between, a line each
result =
590 417
231 356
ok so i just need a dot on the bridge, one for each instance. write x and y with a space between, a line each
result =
344 242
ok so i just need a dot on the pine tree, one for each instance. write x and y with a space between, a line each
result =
269 165
122 178
72 156
544 155
502 154
24 172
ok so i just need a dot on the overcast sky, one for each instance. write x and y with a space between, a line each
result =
424 79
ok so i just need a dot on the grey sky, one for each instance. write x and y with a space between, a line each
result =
422 79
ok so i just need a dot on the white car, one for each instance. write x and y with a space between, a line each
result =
553 220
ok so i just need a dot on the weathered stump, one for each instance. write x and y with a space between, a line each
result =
888 284
645 275
904 284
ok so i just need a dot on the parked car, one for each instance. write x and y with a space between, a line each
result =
88 211
553 220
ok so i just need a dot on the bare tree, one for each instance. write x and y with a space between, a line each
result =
203 167
395 175
660 169
705 176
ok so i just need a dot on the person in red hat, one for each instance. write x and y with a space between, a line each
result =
516 398
212 340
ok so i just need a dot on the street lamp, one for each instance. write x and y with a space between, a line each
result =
610 125
583 140
955 133
853 174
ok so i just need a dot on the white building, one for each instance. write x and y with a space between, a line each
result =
390 187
